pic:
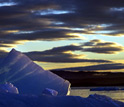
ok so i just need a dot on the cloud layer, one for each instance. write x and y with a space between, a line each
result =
49 20
55 20
99 46
60 57
68 53
113 66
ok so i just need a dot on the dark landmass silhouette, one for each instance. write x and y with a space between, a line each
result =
91 78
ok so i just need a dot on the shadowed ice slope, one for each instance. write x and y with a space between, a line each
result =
28 77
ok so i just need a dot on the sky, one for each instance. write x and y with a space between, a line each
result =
65 33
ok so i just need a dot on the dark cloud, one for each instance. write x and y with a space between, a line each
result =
67 53
104 50
114 66
64 54
22 18
60 58
103 47
58 55
93 13
10 38
61 55
95 46
49 34
62 49
88 15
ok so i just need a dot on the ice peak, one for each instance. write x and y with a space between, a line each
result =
14 51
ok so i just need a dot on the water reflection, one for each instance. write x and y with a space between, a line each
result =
85 92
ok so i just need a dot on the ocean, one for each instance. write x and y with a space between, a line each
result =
85 92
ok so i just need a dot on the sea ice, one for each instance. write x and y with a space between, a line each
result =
20 100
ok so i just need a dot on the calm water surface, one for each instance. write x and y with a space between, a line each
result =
85 92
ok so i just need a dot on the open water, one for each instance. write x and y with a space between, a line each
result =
85 92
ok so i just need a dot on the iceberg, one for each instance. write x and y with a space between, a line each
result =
29 77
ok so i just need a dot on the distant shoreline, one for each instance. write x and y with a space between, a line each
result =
92 79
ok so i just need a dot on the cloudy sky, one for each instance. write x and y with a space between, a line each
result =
65 33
